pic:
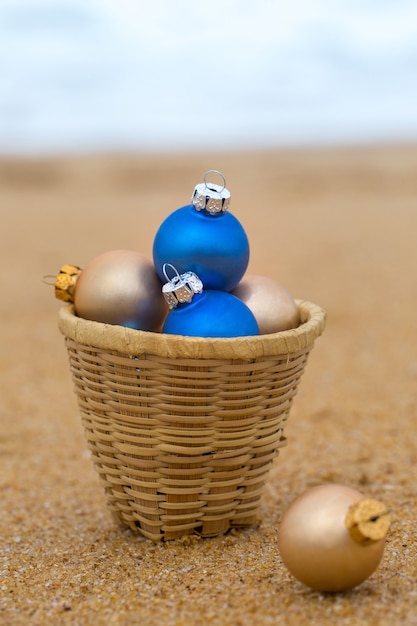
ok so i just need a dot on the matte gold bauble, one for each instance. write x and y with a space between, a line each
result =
272 305
121 287
332 538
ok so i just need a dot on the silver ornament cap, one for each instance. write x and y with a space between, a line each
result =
181 288
211 197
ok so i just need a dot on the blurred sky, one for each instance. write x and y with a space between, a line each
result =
160 74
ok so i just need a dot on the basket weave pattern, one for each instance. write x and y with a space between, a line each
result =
184 443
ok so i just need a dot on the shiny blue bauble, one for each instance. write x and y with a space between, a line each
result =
215 247
211 314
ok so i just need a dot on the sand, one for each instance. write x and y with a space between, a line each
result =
336 227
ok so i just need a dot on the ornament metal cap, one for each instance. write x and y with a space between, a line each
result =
181 288
211 197
65 282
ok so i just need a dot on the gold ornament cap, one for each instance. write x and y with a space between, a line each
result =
65 282
368 521
211 197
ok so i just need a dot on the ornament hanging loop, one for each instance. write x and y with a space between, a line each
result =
214 187
176 277
49 279
210 197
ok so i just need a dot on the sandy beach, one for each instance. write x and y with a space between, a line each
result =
336 226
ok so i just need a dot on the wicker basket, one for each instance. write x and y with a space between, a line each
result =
183 430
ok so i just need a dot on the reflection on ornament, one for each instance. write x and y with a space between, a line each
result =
203 237
272 305
332 538
209 313
117 287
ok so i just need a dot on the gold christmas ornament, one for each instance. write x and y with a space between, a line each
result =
117 287
332 538
272 305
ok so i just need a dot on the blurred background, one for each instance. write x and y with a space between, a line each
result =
88 75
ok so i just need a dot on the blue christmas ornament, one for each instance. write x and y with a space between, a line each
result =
204 238
209 313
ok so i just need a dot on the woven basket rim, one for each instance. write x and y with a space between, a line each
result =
134 342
